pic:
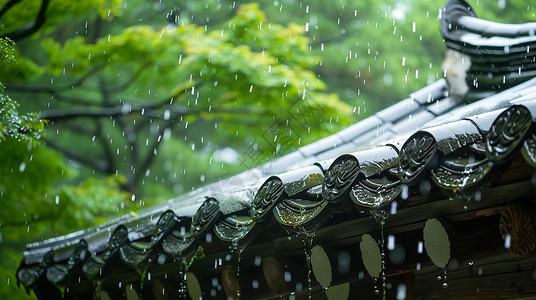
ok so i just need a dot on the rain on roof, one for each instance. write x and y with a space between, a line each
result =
429 159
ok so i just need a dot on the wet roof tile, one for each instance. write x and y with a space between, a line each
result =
444 105
356 130
320 146
413 121
399 110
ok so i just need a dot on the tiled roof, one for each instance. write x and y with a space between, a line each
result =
428 138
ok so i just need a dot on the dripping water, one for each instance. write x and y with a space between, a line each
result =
380 219
444 278
97 286
183 271
384 285
142 281
238 250
182 279
307 245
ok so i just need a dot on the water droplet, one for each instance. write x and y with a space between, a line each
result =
507 241
394 207
445 285
390 242
401 292
405 192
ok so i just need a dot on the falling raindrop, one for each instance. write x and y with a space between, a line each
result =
344 260
507 241
288 277
405 192
390 242
445 285
401 292
394 207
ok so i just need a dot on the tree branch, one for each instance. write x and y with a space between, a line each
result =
32 27
7 6
57 115
51 90
96 164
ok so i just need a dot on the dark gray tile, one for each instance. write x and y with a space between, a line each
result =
431 93
359 128
413 122
398 110
320 146
444 105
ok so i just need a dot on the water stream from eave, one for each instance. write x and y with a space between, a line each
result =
183 290
238 251
184 267
380 219
97 287
445 284
142 273
307 239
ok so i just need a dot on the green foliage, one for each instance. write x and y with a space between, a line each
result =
13 124
6 51
22 13
93 202
36 207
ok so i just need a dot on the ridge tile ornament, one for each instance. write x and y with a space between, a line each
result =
481 156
